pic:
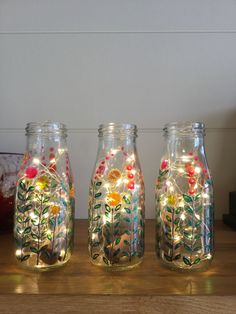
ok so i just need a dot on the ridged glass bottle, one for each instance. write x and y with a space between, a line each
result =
184 200
44 204
116 200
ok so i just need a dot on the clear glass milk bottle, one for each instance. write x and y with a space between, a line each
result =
116 200
44 204
184 200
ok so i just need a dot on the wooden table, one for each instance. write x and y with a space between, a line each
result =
80 287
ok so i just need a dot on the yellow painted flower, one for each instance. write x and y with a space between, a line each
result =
72 191
172 199
113 198
42 182
55 209
114 175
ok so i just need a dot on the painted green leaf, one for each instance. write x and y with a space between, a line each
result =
33 249
27 230
30 189
188 235
169 245
168 228
127 201
46 199
178 210
118 207
168 218
199 208
168 258
98 229
178 245
128 211
20 208
127 219
97 206
197 248
108 208
197 236
27 207
176 221
27 219
198 223
24 258
127 232
197 260
105 260
43 221
126 242
187 198
29 197
108 224
178 256
209 181
51 222
20 196
187 247
25 244
117 241
117 224
59 220
22 185
34 236
116 252
135 218
116 232
117 215
96 218
125 253
95 256
177 229
19 219
188 209
99 183
196 197
169 209
45 210
163 173
60 235
186 261
49 236
97 195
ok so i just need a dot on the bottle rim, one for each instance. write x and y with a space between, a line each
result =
46 128
119 129
185 128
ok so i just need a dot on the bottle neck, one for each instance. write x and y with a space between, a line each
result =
108 143
39 144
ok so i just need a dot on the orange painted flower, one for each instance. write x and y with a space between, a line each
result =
55 209
114 175
113 198
42 182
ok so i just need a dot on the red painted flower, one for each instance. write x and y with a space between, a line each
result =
31 172
164 164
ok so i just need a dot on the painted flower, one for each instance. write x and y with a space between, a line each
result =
72 191
31 172
114 175
172 199
164 164
55 209
42 182
113 198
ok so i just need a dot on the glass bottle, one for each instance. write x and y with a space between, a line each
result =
44 204
184 200
116 200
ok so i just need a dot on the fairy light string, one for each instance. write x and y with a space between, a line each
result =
44 208
183 195
116 209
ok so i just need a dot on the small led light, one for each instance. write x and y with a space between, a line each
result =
36 161
18 252
180 170
182 217
197 169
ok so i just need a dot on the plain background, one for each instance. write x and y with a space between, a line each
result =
146 62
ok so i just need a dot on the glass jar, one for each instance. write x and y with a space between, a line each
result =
44 204
116 200
184 200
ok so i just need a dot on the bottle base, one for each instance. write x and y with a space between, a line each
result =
118 267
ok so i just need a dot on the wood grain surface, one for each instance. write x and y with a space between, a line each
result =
80 287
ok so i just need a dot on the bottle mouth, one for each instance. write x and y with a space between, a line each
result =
186 128
46 128
117 129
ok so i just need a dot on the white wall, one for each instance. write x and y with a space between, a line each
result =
147 62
